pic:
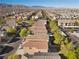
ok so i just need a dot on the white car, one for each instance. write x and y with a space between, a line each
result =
50 34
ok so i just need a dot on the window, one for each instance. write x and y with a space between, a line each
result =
65 24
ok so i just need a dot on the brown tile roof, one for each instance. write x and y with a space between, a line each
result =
45 56
39 31
40 38
37 44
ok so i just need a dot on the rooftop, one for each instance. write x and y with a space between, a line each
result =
39 31
45 56
36 44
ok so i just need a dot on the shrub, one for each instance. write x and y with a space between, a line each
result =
11 30
1 22
31 22
23 32
13 56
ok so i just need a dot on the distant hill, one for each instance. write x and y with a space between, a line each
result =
38 6
7 9
42 7
9 5
21 6
5 5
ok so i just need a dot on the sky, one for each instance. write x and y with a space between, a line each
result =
47 3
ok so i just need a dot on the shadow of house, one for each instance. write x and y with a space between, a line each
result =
15 42
5 51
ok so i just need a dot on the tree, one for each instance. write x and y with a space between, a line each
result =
53 25
19 21
23 32
66 46
66 40
68 50
77 51
31 21
76 23
13 56
11 30
1 22
55 29
71 55
71 30
58 37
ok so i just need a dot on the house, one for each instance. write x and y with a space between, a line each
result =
67 22
38 42
35 46
45 56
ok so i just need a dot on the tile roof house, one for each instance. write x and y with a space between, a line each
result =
35 46
67 22
39 41
45 56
